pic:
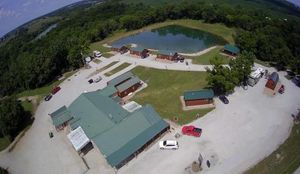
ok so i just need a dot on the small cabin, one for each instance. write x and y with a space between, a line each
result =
167 55
143 53
272 81
199 97
231 50
120 49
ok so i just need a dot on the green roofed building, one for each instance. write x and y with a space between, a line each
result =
199 97
231 49
61 117
117 133
124 84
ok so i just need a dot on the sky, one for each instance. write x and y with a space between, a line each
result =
14 13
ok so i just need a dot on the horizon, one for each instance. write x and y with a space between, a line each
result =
13 16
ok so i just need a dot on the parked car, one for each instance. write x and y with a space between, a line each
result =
51 134
281 89
98 79
97 53
168 144
224 99
191 130
90 81
55 90
296 80
48 97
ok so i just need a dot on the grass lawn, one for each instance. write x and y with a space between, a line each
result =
107 55
43 91
27 105
4 142
286 159
117 69
204 59
164 89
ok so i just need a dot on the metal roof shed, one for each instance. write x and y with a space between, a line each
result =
124 86
200 94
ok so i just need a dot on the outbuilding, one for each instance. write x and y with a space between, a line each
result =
166 54
137 51
199 97
120 49
125 84
231 50
272 81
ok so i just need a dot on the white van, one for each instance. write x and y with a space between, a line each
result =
255 76
97 53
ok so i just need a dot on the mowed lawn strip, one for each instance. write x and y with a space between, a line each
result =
204 59
164 89
4 142
286 159
117 69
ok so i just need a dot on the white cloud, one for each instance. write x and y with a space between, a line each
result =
8 13
27 3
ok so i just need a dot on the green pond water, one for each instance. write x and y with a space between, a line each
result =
173 38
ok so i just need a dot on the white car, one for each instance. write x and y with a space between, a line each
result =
97 54
168 144
98 79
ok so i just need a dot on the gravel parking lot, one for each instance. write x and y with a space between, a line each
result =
235 136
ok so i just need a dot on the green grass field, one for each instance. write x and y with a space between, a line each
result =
205 58
27 105
38 24
164 89
286 159
117 69
4 142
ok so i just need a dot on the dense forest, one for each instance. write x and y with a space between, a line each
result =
27 63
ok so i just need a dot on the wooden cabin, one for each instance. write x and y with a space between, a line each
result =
231 50
199 97
143 53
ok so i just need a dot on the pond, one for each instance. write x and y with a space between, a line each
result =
173 38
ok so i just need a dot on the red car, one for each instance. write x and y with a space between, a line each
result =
55 90
191 130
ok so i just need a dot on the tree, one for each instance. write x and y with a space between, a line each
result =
241 66
220 77
13 117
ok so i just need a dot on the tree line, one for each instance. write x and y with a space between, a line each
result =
26 63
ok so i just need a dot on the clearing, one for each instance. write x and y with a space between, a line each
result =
164 89
205 59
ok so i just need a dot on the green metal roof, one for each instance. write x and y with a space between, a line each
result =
122 87
139 49
108 91
120 79
116 132
231 48
166 52
95 113
131 134
60 116
200 94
